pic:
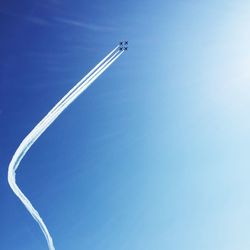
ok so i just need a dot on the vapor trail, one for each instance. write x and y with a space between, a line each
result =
83 79
72 95
43 125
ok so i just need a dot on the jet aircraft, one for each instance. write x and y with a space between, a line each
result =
123 45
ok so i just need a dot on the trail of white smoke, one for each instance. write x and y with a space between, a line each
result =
73 95
48 119
83 79
82 82
42 126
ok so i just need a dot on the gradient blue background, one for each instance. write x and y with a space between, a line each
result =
155 154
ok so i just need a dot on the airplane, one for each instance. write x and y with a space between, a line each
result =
123 45
123 48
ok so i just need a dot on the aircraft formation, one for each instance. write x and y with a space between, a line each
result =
123 45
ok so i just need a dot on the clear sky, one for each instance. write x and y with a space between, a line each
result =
155 154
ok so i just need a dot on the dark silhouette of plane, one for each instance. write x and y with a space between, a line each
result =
126 42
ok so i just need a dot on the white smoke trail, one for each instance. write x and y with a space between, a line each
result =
74 94
83 79
80 83
43 125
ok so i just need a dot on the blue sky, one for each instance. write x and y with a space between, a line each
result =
154 155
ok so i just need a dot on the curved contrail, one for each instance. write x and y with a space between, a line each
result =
43 125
